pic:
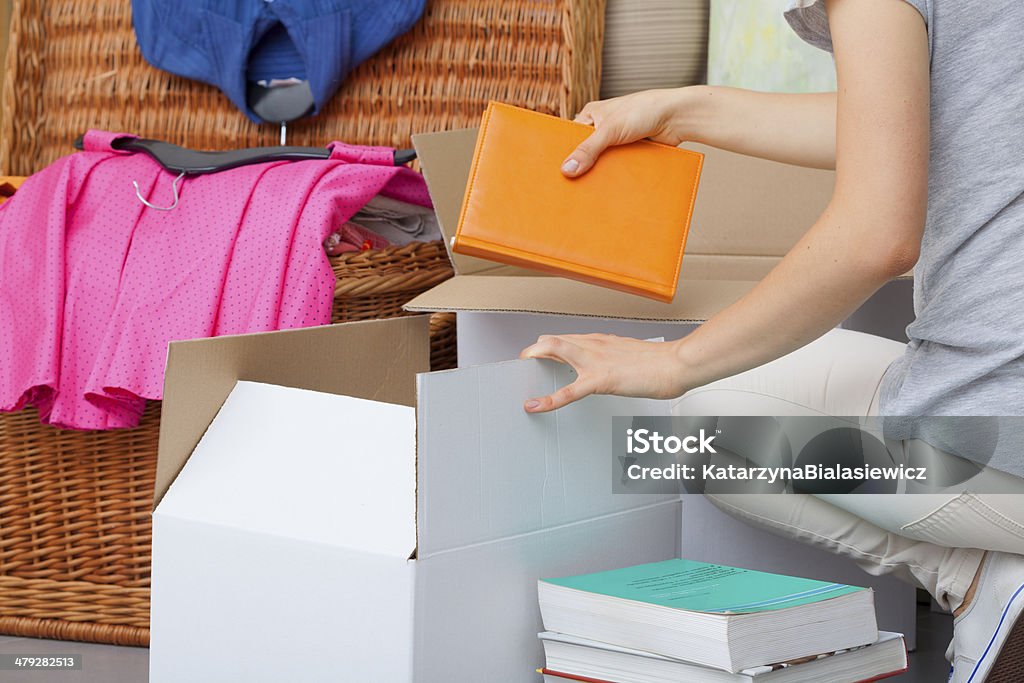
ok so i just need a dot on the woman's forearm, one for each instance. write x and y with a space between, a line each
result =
791 128
837 265
845 257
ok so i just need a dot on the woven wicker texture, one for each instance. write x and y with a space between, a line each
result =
74 506
74 65
75 531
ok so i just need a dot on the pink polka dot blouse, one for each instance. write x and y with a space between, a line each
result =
93 284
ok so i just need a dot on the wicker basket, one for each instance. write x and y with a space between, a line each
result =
74 65
74 506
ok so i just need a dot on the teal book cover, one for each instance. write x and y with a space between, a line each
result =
703 587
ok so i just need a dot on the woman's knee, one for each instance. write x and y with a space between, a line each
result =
970 520
837 374
953 520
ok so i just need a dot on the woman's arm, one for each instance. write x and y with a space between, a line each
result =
792 128
870 232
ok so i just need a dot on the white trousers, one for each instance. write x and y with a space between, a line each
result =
935 541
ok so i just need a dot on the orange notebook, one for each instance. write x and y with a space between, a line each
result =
622 225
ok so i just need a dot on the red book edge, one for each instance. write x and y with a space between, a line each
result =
584 679
571 677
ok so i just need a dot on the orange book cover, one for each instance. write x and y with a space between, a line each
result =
623 224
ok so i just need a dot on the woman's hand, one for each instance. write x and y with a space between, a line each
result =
606 364
869 234
650 114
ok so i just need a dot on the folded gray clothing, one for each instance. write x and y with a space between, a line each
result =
398 222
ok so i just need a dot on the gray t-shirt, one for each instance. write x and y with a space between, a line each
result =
966 350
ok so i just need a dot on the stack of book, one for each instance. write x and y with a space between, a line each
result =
681 621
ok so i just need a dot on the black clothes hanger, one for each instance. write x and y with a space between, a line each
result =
193 162
282 103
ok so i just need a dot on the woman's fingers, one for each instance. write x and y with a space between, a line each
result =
554 348
584 156
564 351
563 397
606 364
586 115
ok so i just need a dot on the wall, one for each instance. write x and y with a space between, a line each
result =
752 46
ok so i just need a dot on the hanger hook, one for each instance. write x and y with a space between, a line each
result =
174 189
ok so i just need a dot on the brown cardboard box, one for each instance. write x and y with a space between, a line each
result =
374 359
749 213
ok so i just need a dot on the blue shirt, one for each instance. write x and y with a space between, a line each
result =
228 43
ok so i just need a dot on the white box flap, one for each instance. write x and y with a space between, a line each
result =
489 470
306 465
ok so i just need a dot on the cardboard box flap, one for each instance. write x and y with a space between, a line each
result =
374 360
488 470
307 466
445 160
754 207
746 206
696 301
749 213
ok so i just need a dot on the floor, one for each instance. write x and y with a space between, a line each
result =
109 664
928 663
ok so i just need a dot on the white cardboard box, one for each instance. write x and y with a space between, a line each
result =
749 213
321 536
708 534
